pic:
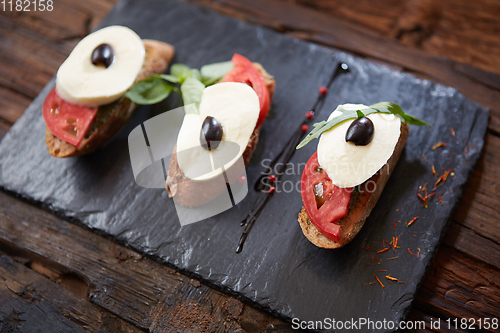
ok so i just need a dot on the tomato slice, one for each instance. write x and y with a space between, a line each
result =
244 71
67 121
325 203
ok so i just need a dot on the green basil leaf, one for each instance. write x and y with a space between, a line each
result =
169 78
191 109
191 90
194 73
179 70
359 114
149 91
396 109
209 81
381 107
324 126
412 120
182 72
212 73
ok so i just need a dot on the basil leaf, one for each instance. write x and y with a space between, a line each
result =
182 72
396 109
149 91
412 120
179 70
359 114
169 78
191 109
194 73
212 73
191 90
381 107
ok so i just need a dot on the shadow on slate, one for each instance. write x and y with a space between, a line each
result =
278 269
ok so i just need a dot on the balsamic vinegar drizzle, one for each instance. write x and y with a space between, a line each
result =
284 157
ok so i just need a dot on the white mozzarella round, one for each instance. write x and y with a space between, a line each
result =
349 165
81 82
236 106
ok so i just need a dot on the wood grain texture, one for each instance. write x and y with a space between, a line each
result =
30 288
462 31
458 286
478 209
452 42
141 292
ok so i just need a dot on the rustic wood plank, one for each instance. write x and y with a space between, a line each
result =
12 105
20 315
30 61
463 31
478 208
35 46
317 26
4 128
69 19
62 23
471 243
459 286
417 315
31 288
142 292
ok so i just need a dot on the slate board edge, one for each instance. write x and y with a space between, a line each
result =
159 259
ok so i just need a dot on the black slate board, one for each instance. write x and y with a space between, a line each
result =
278 268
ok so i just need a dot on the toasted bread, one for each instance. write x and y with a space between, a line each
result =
361 205
112 117
191 193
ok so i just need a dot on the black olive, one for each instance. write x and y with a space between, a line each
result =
360 132
103 55
211 133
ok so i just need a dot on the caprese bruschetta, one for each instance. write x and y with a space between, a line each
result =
87 107
343 180
231 114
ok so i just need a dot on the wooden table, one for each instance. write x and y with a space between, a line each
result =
54 274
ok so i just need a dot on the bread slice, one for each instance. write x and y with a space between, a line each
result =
191 193
361 205
112 117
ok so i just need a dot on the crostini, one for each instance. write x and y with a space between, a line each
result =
230 111
88 107
341 183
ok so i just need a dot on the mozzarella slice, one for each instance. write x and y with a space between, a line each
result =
81 82
236 106
349 165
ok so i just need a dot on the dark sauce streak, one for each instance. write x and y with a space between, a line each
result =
283 157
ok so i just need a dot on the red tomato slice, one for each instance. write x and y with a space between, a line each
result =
67 121
325 203
244 71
